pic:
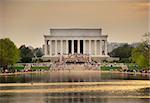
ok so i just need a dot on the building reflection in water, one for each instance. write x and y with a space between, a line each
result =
70 77
74 97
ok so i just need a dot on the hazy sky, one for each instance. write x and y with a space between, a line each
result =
26 21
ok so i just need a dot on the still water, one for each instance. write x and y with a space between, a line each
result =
75 87
77 76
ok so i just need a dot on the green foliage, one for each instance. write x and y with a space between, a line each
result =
9 54
108 68
123 52
39 68
19 68
132 66
38 52
141 54
26 54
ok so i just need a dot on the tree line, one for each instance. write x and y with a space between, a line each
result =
27 54
139 55
10 54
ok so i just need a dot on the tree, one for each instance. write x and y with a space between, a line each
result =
123 52
26 54
141 54
38 52
9 54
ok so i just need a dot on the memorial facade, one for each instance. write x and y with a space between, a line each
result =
65 41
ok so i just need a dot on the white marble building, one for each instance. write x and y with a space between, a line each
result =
64 41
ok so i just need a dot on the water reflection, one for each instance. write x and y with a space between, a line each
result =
98 96
67 98
70 77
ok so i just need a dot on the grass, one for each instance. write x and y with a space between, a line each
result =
39 68
133 66
19 68
108 68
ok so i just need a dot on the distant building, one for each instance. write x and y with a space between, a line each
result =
65 41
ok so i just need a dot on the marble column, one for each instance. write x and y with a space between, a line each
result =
55 47
46 52
95 47
105 47
90 51
61 47
84 46
90 47
50 47
78 46
66 46
100 47
72 47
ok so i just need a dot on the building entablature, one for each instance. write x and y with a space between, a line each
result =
102 37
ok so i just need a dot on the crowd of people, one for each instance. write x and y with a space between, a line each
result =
76 58
65 66
81 62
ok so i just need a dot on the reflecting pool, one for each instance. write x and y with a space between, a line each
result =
75 87
70 76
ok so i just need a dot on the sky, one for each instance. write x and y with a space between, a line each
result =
26 21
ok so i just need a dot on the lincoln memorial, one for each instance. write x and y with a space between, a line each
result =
82 41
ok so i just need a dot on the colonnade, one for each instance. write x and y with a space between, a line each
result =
102 43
